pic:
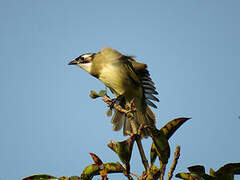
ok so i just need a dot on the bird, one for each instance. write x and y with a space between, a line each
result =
128 80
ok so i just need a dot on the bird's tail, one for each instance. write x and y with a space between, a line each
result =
120 120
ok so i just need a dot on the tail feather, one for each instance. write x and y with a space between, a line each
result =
127 128
119 120
151 116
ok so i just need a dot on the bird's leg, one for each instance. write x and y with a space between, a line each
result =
140 129
115 101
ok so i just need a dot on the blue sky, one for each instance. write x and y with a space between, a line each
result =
48 122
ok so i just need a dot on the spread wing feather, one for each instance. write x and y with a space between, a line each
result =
151 97
149 86
150 103
147 83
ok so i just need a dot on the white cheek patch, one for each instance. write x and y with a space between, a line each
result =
86 66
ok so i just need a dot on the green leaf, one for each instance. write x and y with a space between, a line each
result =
94 169
160 144
94 95
226 172
198 169
40 177
196 172
233 168
170 128
123 150
74 178
160 138
103 92
153 154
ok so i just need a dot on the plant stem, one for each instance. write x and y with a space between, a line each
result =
135 175
163 169
174 164
141 151
130 112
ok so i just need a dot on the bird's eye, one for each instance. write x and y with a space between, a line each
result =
83 59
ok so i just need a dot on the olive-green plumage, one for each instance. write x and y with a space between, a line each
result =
125 78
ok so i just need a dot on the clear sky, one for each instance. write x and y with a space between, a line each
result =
48 122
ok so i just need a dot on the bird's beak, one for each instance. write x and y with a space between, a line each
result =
74 62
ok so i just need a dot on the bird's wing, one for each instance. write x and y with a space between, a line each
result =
146 81
113 55
132 75
127 63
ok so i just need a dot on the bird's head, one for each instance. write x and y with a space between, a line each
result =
84 61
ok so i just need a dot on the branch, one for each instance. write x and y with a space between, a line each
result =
174 164
142 154
138 177
162 169
109 102
130 111
130 114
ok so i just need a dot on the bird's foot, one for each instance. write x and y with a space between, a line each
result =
131 109
115 101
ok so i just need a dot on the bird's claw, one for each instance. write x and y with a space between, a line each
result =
113 101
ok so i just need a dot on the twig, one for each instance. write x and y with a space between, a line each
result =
174 164
163 169
142 154
109 102
131 116
132 173
130 111
104 178
128 176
